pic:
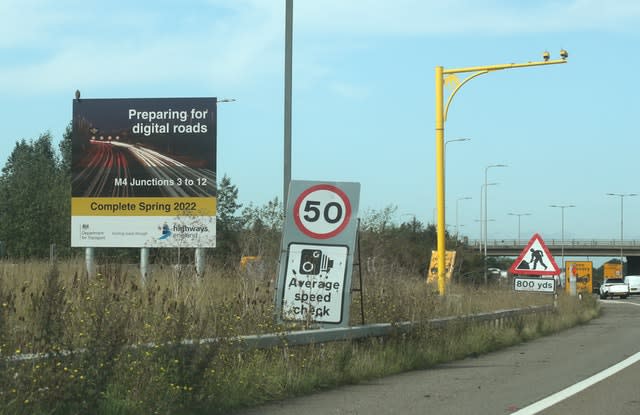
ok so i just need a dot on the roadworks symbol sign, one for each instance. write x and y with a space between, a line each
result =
535 259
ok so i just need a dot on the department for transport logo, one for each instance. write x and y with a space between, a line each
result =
84 230
88 234
166 232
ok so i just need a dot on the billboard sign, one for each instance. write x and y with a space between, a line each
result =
144 172
318 244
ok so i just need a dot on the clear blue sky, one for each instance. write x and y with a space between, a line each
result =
363 96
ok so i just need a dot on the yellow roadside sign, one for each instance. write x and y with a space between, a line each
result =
583 273
612 270
450 261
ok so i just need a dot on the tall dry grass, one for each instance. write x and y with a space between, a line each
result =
110 345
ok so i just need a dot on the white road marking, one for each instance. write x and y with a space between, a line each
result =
619 302
576 388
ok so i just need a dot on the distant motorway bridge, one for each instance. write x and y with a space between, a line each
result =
572 247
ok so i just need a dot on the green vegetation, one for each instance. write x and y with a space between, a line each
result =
109 345
35 190
66 340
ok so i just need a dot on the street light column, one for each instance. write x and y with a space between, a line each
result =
562 249
519 215
288 69
444 162
622 196
455 140
621 235
457 226
486 216
518 229
481 216
562 208
483 190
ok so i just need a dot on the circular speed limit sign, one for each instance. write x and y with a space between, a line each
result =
322 211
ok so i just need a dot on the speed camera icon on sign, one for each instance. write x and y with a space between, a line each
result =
313 262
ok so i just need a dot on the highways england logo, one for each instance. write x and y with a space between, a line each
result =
181 231
166 231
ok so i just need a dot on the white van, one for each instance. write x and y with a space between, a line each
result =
634 283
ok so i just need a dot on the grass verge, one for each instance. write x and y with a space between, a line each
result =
54 311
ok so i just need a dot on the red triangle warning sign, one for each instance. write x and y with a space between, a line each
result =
535 259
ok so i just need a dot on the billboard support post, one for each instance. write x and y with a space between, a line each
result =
144 264
200 262
90 264
52 254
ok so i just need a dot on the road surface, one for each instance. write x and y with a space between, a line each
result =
505 381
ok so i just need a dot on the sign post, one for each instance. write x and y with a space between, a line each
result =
316 260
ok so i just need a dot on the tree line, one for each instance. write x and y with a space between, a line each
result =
35 200
35 195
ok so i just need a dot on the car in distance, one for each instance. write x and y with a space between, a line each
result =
634 283
614 287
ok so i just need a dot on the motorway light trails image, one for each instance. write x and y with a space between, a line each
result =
110 164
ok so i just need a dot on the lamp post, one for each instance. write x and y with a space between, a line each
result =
519 215
622 196
441 117
486 211
288 69
457 226
562 207
453 140
482 187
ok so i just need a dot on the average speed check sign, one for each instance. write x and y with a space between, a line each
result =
322 211
317 250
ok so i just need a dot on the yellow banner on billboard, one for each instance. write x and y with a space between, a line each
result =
449 263
583 273
143 206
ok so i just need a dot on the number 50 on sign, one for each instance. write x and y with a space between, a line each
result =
322 211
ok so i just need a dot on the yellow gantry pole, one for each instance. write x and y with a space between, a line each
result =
440 121
440 228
